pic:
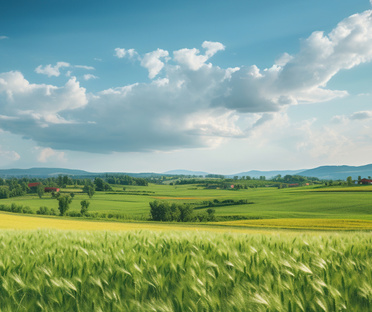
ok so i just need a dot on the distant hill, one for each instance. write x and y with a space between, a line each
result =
42 172
338 172
186 172
267 174
323 172
55 172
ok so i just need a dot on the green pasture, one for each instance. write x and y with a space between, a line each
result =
268 202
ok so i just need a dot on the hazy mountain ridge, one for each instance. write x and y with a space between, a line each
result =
267 174
186 172
322 172
338 172
55 172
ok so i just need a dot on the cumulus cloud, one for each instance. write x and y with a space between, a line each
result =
50 70
121 53
151 61
191 103
47 154
192 59
39 103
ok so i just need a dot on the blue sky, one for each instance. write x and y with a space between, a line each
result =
202 85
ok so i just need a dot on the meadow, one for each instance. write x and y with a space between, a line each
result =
268 202
295 256
51 270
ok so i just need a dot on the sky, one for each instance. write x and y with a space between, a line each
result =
216 86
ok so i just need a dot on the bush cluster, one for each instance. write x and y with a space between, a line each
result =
226 202
165 211
16 208
46 211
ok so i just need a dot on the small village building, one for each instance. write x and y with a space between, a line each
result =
366 181
51 189
293 185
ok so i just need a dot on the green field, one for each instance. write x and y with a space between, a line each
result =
181 271
268 202
52 263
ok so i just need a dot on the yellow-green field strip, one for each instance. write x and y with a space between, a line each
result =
311 224
22 222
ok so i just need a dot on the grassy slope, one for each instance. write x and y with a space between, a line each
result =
306 202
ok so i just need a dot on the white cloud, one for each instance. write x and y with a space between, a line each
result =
48 154
357 116
212 48
89 76
38 103
85 67
191 57
152 62
194 103
9 155
121 53
50 70
361 115
4 37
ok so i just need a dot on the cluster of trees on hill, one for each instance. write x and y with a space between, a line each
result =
165 211
13 187
244 182
126 180
19 187
294 179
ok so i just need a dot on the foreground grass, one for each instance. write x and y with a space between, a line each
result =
163 271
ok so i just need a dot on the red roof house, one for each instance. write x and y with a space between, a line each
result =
293 185
51 189
366 181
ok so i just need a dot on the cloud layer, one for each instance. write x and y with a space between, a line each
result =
188 102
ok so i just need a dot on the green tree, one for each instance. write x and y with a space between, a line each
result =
160 211
349 181
99 183
4 191
40 190
64 202
185 213
211 216
84 206
90 191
